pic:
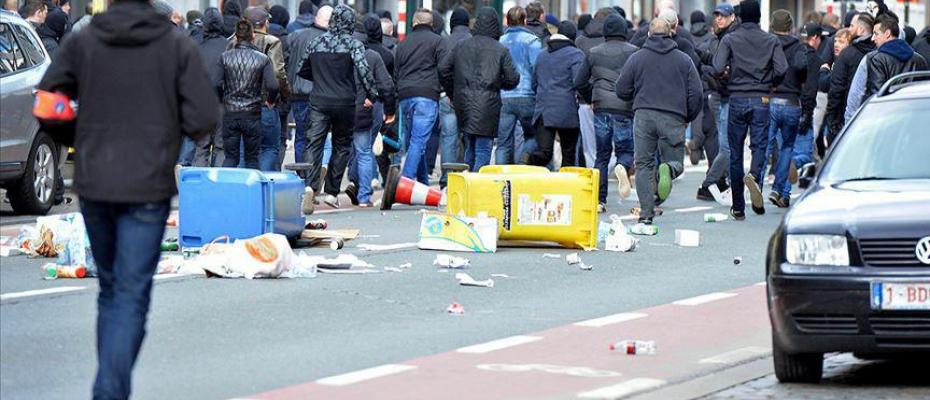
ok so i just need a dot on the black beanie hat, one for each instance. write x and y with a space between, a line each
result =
459 18
568 29
615 26
749 11
583 21
697 16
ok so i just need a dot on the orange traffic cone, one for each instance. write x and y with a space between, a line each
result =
404 190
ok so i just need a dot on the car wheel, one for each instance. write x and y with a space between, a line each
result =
796 368
35 191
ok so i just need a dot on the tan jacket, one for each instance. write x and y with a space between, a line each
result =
273 48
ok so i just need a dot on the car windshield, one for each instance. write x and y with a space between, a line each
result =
888 140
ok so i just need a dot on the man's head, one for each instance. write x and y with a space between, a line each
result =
322 16
671 17
832 20
35 11
306 7
194 18
65 6
244 31
615 28
387 26
459 17
423 16
885 30
659 27
663 5
876 8
10 5
841 40
258 17
724 15
862 25
516 16
750 11
534 11
813 16
812 34
602 14
781 22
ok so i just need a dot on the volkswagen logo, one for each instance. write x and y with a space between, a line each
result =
923 250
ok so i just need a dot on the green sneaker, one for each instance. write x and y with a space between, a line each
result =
664 186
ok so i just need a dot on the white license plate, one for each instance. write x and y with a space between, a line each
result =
900 296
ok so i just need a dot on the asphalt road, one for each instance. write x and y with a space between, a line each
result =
225 338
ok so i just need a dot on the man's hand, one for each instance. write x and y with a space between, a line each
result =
389 119
368 103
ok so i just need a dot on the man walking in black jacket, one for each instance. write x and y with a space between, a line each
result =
449 137
844 68
298 43
613 118
416 60
755 63
334 59
666 92
473 76
212 44
126 193
241 76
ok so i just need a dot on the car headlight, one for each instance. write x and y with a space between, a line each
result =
817 250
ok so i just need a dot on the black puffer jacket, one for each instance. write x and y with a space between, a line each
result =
893 58
755 59
232 13
601 67
243 72
844 68
385 84
374 40
474 74
127 144
416 63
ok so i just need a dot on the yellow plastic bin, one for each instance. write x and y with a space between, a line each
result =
531 203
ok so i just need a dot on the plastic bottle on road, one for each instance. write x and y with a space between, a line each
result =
50 271
643 229
635 347
715 217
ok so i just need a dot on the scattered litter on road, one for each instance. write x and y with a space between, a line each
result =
455 308
337 243
737 260
687 238
618 239
317 224
585 267
392 269
170 244
634 347
715 217
317 237
573 259
447 261
500 276
550 255
458 233
644 229
9 246
385 247
467 280
55 271
405 265
172 221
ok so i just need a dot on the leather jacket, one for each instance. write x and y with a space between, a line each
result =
245 71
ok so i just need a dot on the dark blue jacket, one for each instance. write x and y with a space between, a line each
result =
554 83
660 77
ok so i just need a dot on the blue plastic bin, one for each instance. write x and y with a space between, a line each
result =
239 203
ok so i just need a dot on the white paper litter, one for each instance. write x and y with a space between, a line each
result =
550 255
573 259
447 261
467 280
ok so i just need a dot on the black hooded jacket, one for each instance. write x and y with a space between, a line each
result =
593 36
921 44
375 41
755 59
128 131
892 58
844 69
660 77
601 68
212 43
474 74
232 13
416 63
797 56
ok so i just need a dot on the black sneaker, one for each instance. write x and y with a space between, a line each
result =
738 215
645 221
783 202
704 194
352 193
774 198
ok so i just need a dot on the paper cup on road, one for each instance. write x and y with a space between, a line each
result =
687 238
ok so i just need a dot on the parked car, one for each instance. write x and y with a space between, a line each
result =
29 158
848 269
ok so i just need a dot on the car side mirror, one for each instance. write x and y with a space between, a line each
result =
806 175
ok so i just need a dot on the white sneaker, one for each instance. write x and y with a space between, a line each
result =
330 200
306 202
624 186
375 184
724 198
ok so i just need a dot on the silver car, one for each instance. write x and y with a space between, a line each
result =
29 158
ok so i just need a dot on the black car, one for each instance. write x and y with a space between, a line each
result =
848 269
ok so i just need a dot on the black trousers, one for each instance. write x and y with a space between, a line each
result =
545 145
323 119
248 127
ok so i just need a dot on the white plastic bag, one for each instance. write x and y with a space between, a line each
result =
265 256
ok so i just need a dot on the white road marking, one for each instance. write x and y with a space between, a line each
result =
583 372
763 283
365 374
40 292
610 319
693 209
498 344
332 211
707 298
622 389
384 247
737 356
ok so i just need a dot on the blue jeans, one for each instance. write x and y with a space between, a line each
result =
478 151
301 111
125 240
419 116
614 134
513 111
804 149
271 139
188 148
449 136
746 114
783 131
363 160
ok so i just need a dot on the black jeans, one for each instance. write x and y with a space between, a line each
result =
248 127
545 142
341 120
